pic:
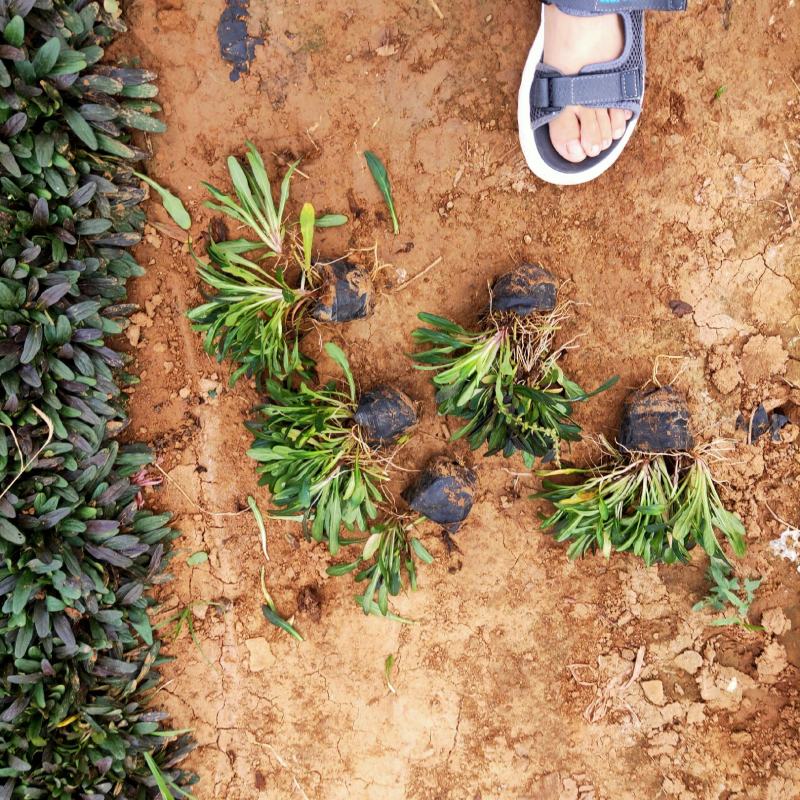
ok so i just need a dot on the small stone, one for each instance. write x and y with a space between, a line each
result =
695 714
527 238
134 334
771 662
775 621
261 656
488 18
689 661
654 692
348 58
184 393
159 347
169 366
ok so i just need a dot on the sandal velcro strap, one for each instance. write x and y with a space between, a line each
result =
593 89
612 6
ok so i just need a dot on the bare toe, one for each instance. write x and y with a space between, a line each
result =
590 131
604 122
618 120
565 134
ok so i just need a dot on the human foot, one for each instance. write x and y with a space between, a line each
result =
570 43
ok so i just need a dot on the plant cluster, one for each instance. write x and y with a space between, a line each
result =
319 470
262 287
78 554
505 381
656 506
653 495
311 452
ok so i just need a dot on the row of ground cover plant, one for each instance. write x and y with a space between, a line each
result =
326 450
78 552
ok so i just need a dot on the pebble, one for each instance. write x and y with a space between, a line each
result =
527 238
689 661
348 58
654 692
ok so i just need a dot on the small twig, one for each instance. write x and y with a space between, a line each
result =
285 766
194 502
436 9
23 465
427 269
789 153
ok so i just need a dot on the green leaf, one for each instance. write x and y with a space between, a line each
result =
80 127
262 530
421 552
307 217
158 777
331 220
388 666
46 57
14 33
172 204
195 559
371 546
381 177
337 354
276 619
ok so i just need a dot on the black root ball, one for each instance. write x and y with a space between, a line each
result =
347 293
384 414
525 290
443 493
656 421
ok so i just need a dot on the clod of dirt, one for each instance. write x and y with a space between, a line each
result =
655 421
771 662
309 601
654 692
443 493
218 229
236 46
680 308
347 293
525 290
775 621
723 688
384 414
689 661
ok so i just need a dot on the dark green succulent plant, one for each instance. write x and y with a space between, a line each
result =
78 554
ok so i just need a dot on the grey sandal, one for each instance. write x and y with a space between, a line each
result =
545 91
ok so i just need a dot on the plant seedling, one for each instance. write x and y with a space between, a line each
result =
184 617
654 496
727 592
312 456
255 207
504 379
381 176
263 288
389 551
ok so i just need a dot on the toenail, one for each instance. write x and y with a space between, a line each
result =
618 133
628 114
574 148
594 150
606 142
